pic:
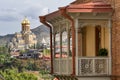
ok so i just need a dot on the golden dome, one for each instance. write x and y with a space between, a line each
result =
25 21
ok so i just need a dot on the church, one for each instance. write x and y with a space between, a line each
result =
92 28
25 39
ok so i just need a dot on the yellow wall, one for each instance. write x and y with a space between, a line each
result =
90 41
87 43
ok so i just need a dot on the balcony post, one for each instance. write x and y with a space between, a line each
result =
64 14
110 47
54 51
60 44
68 47
60 52
76 27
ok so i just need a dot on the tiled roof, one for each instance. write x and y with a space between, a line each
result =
94 6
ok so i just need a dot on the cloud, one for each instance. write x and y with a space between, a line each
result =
15 10
44 11
8 15
9 27
33 9
12 12
32 12
7 18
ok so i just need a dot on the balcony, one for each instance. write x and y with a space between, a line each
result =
85 66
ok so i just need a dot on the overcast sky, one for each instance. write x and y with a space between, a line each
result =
12 12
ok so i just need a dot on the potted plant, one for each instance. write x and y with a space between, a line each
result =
103 52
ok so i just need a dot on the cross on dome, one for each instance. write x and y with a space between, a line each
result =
25 21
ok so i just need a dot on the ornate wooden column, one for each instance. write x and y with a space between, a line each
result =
64 14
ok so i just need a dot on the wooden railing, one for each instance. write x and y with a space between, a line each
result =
93 66
63 65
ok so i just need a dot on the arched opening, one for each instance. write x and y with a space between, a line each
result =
57 45
64 44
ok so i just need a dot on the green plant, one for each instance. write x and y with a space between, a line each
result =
13 74
103 52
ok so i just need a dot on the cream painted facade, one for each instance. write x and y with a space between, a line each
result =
24 39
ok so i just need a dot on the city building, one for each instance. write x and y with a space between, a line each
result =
24 39
93 40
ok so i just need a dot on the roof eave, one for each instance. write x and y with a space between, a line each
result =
52 15
98 10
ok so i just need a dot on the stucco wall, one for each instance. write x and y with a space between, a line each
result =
90 41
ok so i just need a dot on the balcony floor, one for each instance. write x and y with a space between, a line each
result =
68 77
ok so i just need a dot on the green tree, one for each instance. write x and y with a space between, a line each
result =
3 50
13 74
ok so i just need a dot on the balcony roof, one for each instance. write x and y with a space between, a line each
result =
90 7
96 6
53 14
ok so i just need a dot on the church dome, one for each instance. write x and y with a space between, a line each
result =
25 21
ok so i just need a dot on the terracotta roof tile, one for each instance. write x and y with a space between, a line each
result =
97 6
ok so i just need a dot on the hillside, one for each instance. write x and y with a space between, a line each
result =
5 39
40 31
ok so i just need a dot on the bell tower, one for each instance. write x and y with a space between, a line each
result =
25 25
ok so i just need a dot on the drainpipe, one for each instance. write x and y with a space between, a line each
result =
63 13
43 20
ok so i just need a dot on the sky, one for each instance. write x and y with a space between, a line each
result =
12 12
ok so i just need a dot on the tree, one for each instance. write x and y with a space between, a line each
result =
13 74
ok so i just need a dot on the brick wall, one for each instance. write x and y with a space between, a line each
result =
116 40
